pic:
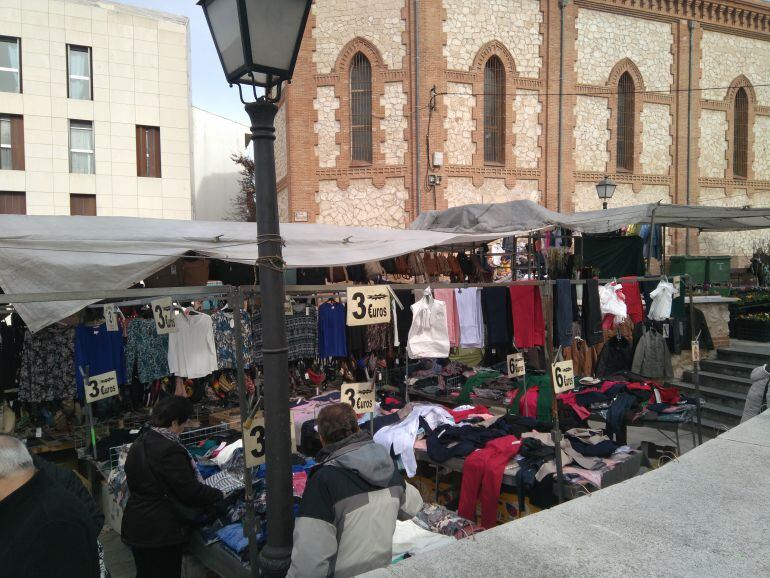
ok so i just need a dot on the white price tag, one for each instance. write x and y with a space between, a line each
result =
563 376
368 305
163 311
254 440
111 317
695 351
516 367
360 396
101 386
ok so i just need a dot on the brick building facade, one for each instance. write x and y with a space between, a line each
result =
479 82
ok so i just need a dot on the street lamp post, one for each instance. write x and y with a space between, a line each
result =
258 42
605 189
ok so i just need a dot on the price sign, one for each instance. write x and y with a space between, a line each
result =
111 317
516 367
563 376
695 351
360 396
254 448
101 386
164 316
368 305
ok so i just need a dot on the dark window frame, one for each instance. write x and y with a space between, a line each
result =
626 119
17 141
70 150
148 165
741 134
361 137
21 65
494 111
82 205
90 51
7 198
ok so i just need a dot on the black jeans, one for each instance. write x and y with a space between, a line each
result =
163 562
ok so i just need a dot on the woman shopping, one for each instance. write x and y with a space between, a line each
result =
166 492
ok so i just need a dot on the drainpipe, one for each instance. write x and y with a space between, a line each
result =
691 28
562 5
416 114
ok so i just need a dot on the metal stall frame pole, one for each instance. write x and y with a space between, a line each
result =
235 302
275 557
695 364
546 299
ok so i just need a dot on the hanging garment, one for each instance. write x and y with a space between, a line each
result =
452 315
404 316
656 251
47 370
562 305
331 330
471 317
633 299
583 357
399 438
191 350
301 333
429 334
612 302
496 306
662 297
483 477
652 357
146 351
527 312
98 351
11 347
224 338
700 327
616 357
592 314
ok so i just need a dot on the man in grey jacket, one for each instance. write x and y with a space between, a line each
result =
757 396
351 502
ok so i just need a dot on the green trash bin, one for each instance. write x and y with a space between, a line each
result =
689 265
718 269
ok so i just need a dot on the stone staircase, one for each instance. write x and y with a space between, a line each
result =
724 382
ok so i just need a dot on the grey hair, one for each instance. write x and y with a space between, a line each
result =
14 456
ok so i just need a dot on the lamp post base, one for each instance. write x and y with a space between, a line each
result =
274 561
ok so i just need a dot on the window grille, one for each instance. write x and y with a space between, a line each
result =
494 111
361 109
625 147
741 134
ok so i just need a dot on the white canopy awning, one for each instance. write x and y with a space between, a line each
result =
46 254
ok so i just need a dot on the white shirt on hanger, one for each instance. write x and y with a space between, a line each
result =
471 317
191 350
662 297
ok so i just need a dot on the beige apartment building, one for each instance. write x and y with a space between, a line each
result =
95 110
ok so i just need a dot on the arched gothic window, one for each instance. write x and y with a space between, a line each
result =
494 111
361 109
741 134
625 132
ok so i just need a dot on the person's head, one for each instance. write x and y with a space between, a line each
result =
172 413
336 422
16 467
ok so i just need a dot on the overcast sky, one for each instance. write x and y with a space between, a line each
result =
209 87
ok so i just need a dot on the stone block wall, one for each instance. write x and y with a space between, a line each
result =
461 191
527 129
655 157
394 123
362 204
712 161
327 126
592 133
459 124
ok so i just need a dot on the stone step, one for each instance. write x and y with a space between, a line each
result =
727 367
741 356
719 381
721 414
724 397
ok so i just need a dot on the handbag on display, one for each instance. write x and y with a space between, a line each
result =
429 333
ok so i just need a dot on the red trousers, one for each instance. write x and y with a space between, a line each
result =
527 312
482 478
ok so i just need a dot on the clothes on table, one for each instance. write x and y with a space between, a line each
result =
223 323
98 351
429 333
527 312
332 341
436 518
191 350
47 370
146 351
483 477
471 317
448 441
224 482
452 314
400 437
